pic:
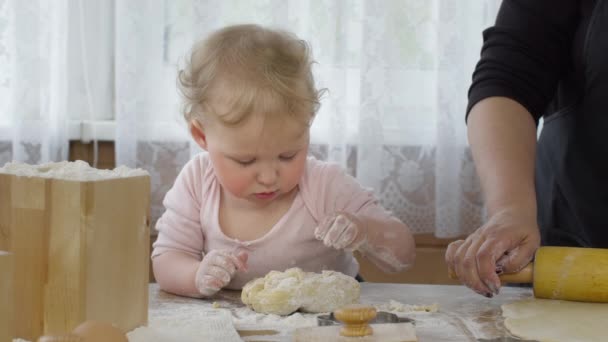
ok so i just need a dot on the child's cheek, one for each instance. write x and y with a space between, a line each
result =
236 181
238 184
293 173
230 175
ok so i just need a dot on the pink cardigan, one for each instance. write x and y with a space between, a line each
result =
190 223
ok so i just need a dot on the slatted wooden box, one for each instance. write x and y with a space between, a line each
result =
6 296
80 244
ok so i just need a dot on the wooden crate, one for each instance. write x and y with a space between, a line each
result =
6 296
81 251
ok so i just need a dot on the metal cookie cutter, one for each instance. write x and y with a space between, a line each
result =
381 317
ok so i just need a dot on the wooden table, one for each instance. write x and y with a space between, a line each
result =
462 315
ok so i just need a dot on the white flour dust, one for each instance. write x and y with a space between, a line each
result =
78 171
394 306
430 322
188 321
244 318
181 319
209 326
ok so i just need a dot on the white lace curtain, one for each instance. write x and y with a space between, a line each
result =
56 73
33 92
397 73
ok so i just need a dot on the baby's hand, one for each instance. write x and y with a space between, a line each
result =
342 231
217 269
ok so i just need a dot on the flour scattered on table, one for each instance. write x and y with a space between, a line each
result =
244 317
209 325
397 307
428 320
177 315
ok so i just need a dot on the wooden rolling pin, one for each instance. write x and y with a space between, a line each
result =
567 273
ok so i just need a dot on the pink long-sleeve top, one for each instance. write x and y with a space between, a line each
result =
190 223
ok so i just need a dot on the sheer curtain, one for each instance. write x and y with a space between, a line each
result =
397 73
33 87
56 73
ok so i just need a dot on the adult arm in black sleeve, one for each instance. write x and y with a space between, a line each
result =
525 53
523 57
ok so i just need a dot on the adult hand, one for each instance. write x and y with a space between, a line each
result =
342 231
217 269
504 244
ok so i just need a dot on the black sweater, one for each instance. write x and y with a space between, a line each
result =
551 56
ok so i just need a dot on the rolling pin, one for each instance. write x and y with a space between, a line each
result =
567 273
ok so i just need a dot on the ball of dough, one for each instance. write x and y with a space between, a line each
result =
328 291
275 292
283 293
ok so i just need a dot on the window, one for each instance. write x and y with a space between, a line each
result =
382 62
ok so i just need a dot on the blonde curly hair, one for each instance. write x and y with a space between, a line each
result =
249 69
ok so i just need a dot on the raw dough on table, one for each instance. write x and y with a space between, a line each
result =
548 320
282 293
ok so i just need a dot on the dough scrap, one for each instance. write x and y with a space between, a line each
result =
555 320
283 293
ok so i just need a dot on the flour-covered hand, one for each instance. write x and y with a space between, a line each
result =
217 269
342 231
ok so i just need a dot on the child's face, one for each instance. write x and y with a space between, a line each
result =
260 159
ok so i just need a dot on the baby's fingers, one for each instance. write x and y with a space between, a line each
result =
211 279
220 274
241 261
226 261
324 227
340 234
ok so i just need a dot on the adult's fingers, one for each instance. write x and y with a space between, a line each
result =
459 255
450 255
467 268
487 257
514 260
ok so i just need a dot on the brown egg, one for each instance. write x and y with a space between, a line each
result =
61 338
97 331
